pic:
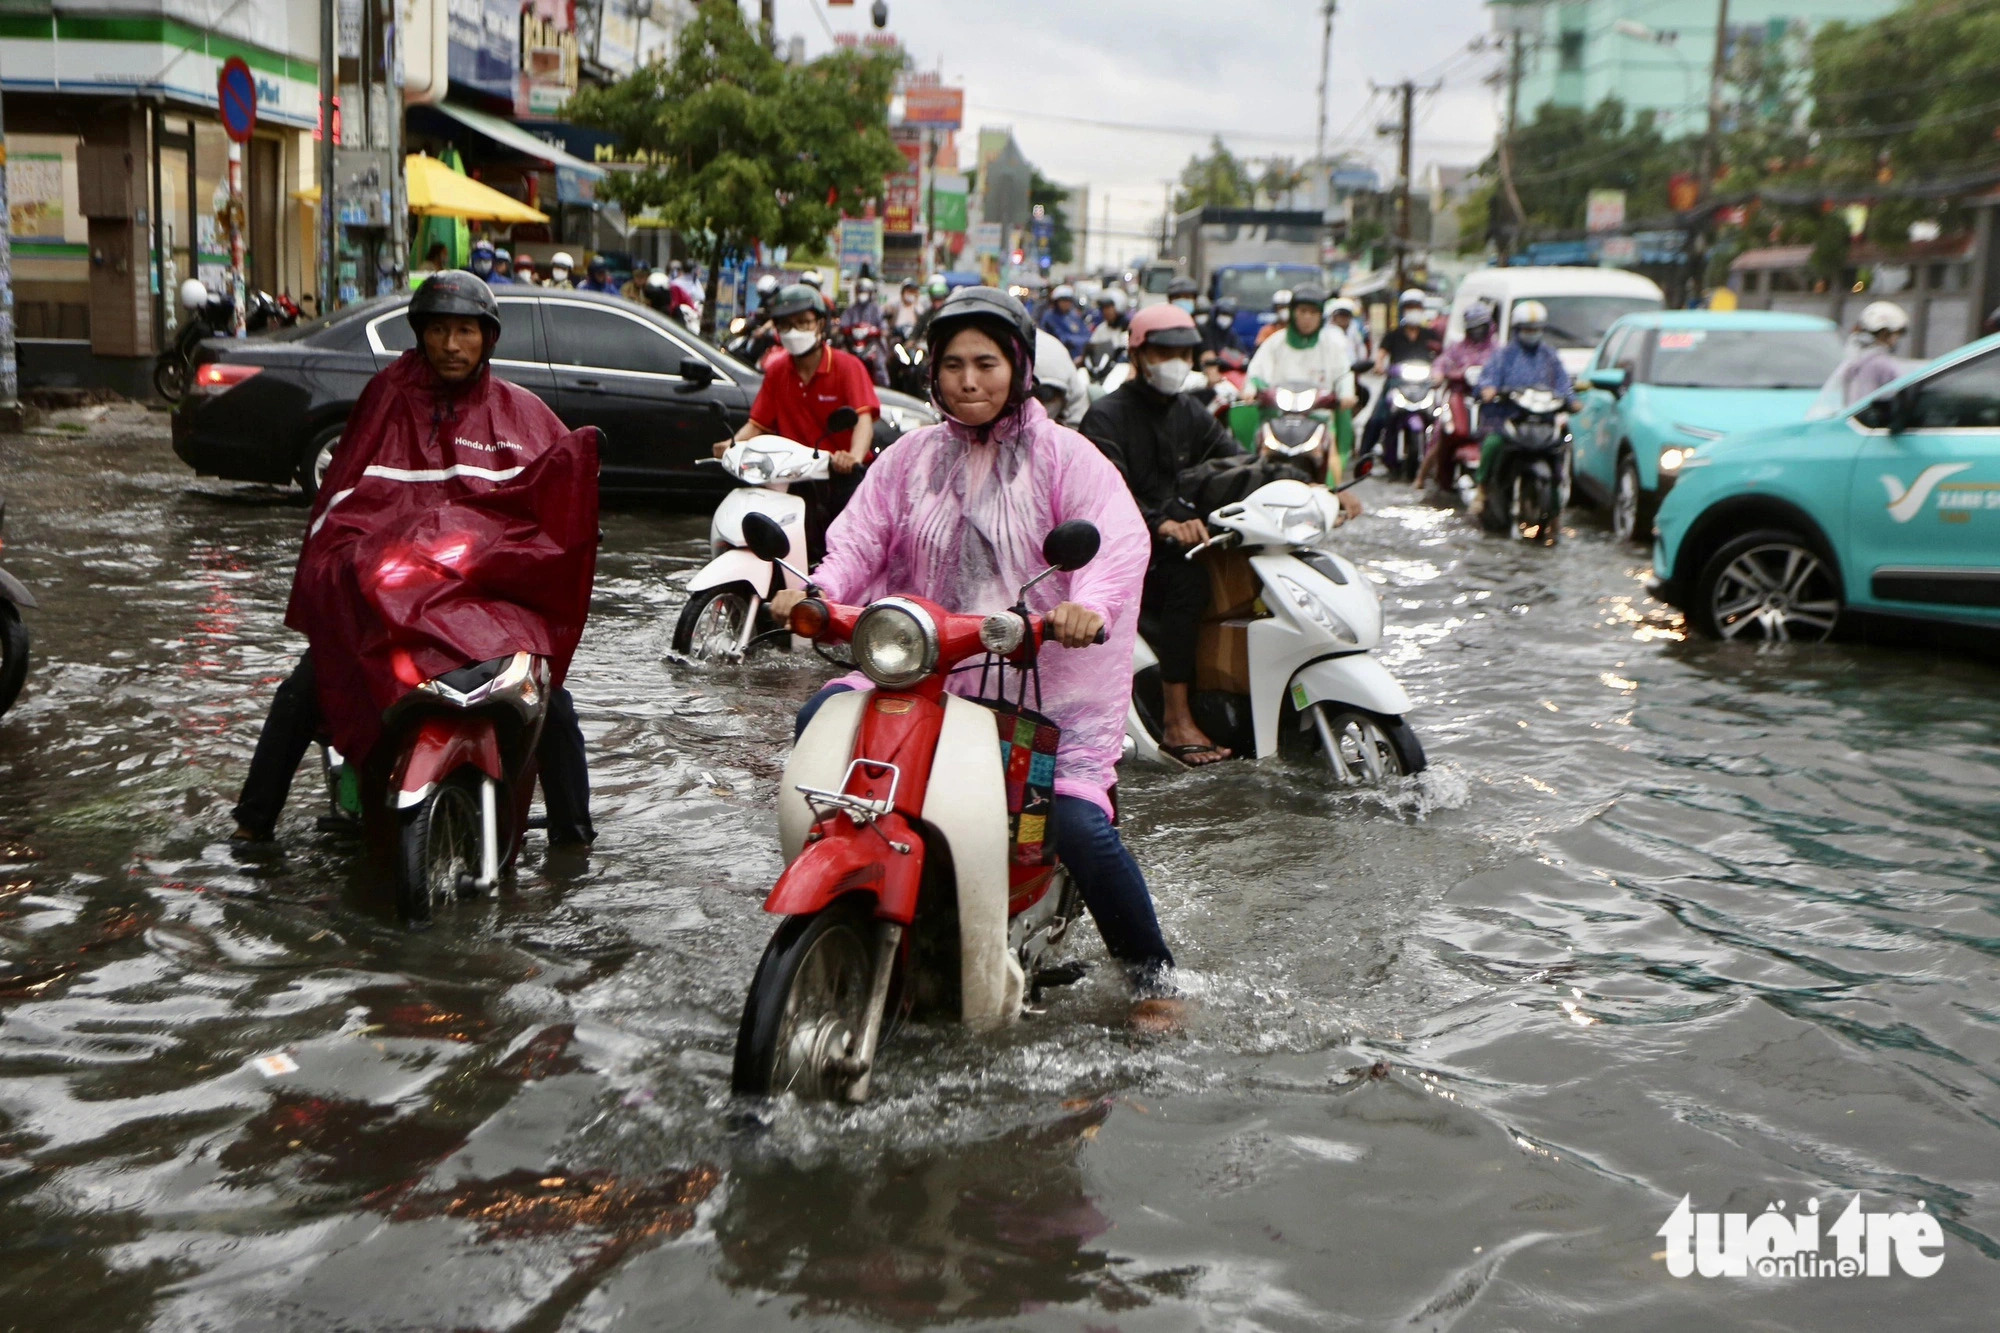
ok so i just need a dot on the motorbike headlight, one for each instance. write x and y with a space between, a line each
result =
1302 524
755 468
1411 370
1318 611
1295 400
1671 459
895 644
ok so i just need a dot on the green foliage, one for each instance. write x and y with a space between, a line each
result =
1564 153
1475 218
1218 180
1279 178
737 147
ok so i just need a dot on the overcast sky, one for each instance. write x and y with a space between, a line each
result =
1248 69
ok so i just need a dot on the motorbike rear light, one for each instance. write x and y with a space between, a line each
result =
221 376
809 619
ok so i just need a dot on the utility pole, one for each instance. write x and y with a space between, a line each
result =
768 21
1403 169
1166 216
1711 158
1507 237
329 73
11 415
1325 68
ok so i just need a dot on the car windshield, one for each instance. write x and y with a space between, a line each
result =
1580 321
1744 358
1253 288
1157 279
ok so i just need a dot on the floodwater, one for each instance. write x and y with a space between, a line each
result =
1664 919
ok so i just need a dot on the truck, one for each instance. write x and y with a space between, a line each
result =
1250 255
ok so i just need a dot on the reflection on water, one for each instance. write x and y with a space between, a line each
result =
1665 918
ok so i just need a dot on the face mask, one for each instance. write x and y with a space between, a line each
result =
1529 339
559 274
1412 317
799 341
482 266
1169 376
1186 305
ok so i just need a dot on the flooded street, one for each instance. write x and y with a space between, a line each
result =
1664 918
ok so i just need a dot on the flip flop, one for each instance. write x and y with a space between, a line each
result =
1183 754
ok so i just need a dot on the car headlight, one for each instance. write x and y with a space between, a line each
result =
907 419
1671 459
1318 611
895 644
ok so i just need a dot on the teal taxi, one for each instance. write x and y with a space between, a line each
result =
1664 382
1890 508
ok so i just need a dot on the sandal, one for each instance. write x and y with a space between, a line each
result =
1184 754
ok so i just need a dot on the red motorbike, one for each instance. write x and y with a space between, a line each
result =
1454 448
904 896
865 341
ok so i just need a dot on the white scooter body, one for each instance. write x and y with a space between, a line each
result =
1325 620
769 465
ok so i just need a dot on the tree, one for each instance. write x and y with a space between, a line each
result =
1048 194
1216 181
736 147
1279 178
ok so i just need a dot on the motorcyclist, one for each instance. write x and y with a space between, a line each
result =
957 513
599 279
1411 340
866 311
440 402
1153 432
813 279
1527 361
1061 386
503 265
1107 310
1181 292
1471 352
1218 331
561 266
659 292
524 270
1281 307
909 308
483 263
1311 353
1065 322
1871 361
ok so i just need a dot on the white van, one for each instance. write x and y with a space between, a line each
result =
1582 302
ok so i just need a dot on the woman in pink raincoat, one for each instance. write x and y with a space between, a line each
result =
957 513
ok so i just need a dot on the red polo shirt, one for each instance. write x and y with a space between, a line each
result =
798 410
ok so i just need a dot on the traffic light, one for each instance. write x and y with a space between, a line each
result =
880 13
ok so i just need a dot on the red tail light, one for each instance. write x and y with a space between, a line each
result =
221 376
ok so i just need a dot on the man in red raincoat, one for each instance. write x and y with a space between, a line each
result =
457 524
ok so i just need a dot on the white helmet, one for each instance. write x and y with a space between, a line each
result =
561 259
1530 312
812 279
194 295
657 281
1880 317
1410 296
1340 305
1063 292
768 285
1053 367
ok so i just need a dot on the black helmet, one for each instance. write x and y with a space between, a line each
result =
1005 319
1180 287
1309 295
455 292
796 300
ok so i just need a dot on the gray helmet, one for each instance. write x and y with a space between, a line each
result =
1182 287
997 313
456 292
1309 295
796 300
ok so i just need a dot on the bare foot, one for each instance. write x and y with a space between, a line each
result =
1157 1016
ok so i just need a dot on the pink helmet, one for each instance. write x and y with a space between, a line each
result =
1164 325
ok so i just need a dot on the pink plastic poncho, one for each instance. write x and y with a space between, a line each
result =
945 516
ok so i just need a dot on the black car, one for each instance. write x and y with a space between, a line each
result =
272 408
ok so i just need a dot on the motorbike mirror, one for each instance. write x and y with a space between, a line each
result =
696 374
766 540
841 420
1071 545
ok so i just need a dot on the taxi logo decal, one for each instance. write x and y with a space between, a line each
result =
1903 505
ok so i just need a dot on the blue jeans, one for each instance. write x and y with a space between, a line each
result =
1104 871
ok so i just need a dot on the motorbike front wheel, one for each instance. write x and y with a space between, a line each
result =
437 852
170 374
1536 516
1363 748
13 655
711 624
808 1003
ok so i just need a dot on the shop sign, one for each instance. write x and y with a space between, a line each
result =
548 65
933 107
485 46
860 242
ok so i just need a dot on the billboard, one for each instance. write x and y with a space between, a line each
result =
927 107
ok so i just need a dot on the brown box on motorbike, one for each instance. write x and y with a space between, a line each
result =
1222 656
1232 584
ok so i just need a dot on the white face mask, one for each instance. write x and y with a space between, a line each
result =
799 341
1169 376
559 274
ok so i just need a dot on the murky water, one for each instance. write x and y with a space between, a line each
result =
1664 919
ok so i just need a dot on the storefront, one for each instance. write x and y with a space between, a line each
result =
116 166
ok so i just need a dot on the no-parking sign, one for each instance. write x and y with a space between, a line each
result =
236 97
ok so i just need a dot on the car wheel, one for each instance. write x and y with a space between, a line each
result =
1631 518
1770 586
316 458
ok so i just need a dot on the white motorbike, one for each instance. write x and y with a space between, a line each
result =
1283 658
725 613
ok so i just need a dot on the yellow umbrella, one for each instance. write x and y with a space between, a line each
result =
437 191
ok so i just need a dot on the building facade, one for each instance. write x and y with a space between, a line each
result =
1653 55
